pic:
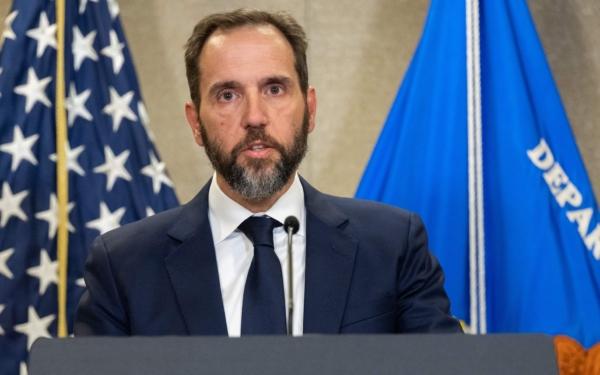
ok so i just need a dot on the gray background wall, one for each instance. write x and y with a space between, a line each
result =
358 54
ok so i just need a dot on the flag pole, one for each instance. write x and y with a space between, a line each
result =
62 181
478 308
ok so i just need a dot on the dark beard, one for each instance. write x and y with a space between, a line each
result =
256 181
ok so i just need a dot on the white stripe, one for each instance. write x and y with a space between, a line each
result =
471 174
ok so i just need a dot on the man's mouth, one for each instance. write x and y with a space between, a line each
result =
258 150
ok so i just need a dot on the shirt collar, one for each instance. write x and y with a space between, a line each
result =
226 215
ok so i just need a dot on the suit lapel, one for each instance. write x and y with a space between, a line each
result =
330 254
193 270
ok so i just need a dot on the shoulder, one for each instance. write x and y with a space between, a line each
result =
374 218
144 229
140 238
368 209
362 216
160 232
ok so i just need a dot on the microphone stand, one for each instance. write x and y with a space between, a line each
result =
291 226
290 233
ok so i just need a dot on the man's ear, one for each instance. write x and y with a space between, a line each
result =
311 106
193 120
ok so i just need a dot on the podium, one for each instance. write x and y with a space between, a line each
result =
316 354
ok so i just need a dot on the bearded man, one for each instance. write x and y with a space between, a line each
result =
218 264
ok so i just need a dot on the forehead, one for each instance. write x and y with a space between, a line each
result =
245 51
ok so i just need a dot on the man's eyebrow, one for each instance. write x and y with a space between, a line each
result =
285 80
218 86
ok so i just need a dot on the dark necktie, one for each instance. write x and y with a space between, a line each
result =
263 308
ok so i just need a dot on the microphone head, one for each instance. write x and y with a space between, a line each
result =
291 222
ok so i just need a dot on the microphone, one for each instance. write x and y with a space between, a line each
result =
291 223
291 226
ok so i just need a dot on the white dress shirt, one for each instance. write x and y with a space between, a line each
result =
234 250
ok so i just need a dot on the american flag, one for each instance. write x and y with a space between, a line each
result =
115 175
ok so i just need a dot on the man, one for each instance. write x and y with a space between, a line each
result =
207 267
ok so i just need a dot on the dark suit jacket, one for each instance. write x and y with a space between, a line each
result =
368 270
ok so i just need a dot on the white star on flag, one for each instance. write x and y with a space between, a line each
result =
145 119
44 34
113 8
83 47
8 32
83 5
4 255
34 90
10 204
72 155
113 167
156 171
75 104
80 282
150 211
20 148
1 330
108 220
118 108
51 216
114 52
35 327
46 272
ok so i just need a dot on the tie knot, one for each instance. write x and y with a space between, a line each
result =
259 229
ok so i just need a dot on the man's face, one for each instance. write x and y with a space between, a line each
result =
253 118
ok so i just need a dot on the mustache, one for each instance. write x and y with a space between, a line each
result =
253 135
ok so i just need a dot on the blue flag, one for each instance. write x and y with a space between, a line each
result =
478 143
115 174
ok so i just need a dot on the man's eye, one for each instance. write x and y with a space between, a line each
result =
226 96
275 90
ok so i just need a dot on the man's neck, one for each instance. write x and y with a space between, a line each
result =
253 205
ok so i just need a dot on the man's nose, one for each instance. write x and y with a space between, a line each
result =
256 115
